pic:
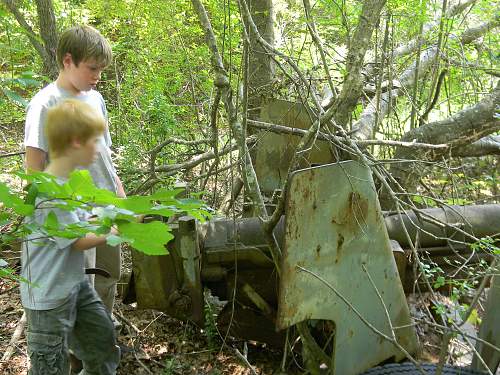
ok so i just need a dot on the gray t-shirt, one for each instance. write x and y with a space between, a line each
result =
102 170
49 263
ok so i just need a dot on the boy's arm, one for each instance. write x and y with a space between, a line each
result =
91 240
120 191
35 159
88 242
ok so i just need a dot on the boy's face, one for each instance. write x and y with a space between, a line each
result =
83 77
87 151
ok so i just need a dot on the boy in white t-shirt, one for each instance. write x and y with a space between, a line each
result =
82 54
62 309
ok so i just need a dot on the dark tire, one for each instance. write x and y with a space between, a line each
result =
408 368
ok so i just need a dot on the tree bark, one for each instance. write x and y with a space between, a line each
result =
464 128
489 145
352 88
46 18
260 64
48 33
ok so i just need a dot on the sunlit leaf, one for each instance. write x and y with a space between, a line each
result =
149 238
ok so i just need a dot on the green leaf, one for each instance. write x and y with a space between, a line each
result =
10 274
164 194
15 97
114 240
440 281
4 218
82 187
51 221
149 238
13 201
474 317
32 190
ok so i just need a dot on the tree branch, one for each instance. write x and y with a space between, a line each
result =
465 127
414 44
366 122
32 36
280 129
352 87
476 32
489 145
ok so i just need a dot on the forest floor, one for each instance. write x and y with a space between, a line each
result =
162 345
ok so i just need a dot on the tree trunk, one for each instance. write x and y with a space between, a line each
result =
260 63
48 33
353 83
458 131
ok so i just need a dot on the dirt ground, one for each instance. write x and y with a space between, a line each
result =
162 345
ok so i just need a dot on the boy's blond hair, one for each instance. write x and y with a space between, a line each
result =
84 43
71 120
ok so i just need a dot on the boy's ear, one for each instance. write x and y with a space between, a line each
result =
76 143
67 60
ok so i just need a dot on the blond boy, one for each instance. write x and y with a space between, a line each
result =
82 54
62 309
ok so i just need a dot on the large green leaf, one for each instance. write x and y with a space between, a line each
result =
15 97
149 238
13 201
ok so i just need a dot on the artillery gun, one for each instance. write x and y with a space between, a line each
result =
344 263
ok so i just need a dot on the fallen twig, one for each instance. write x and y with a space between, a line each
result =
14 339
126 321
12 154
245 360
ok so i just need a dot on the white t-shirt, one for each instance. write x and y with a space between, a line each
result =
102 170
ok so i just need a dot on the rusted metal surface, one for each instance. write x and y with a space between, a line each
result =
490 330
275 151
172 283
334 229
187 245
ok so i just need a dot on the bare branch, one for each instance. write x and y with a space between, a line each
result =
280 129
414 44
196 160
465 127
222 82
364 126
489 145
476 32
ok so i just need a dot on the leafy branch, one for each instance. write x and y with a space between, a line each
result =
105 210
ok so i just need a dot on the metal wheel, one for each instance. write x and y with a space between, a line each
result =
408 368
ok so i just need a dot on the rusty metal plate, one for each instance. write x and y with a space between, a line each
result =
172 283
490 329
334 229
274 151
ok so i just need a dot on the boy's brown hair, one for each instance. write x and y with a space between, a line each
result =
83 43
71 120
